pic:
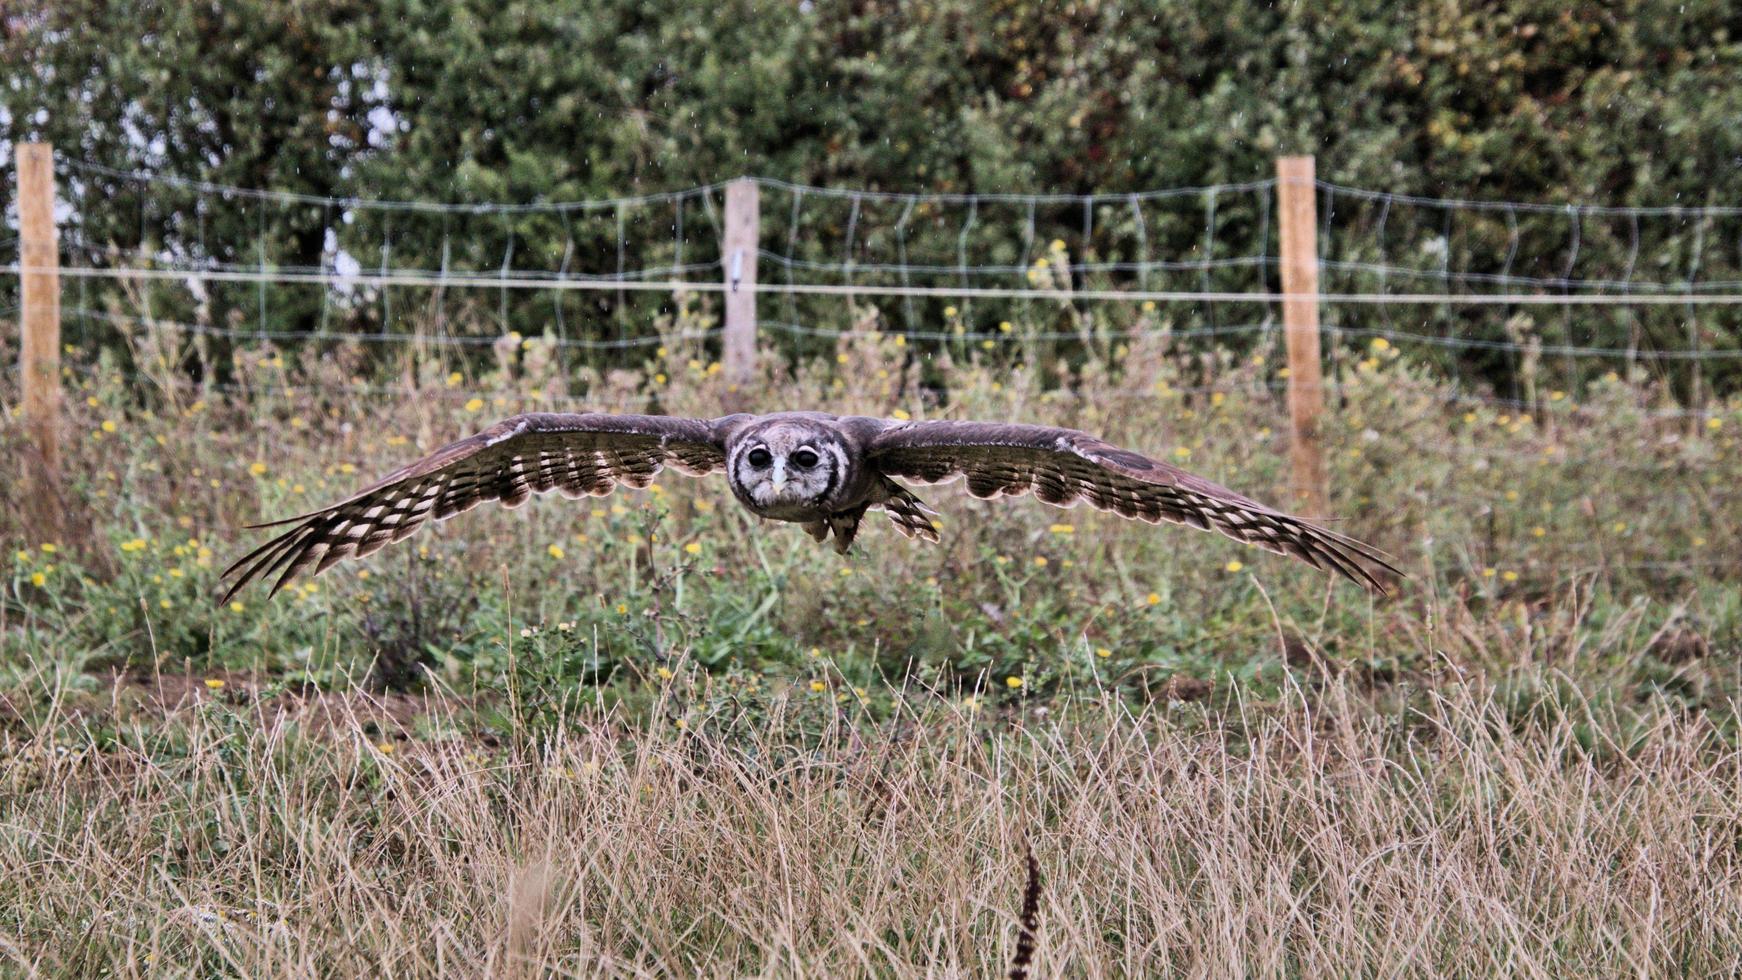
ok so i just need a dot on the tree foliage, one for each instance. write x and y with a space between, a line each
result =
1630 102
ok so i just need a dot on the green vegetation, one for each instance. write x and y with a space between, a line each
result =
1630 104
643 734
1594 504
420 762
536 101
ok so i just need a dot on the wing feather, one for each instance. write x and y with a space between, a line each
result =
509 462
1064 467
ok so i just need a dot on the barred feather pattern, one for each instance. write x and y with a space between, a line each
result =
575 455
1064 467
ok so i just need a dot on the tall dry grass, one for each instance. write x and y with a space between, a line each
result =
1524 764
1312 837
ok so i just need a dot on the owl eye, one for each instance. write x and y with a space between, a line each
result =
804 459
759 457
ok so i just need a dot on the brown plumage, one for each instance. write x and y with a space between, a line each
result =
818 470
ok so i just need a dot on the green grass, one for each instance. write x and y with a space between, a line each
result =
644 734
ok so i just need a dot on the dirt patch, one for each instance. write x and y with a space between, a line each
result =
1680 646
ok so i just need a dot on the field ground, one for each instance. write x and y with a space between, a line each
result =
641 735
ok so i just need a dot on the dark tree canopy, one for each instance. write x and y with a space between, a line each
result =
531 100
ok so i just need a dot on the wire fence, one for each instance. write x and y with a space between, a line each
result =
1502 296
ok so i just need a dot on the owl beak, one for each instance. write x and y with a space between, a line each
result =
778 478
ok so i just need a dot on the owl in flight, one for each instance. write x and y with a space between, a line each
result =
821 471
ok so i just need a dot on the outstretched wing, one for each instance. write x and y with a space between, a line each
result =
510 461
1064 467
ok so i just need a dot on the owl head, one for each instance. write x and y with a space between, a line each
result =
787 465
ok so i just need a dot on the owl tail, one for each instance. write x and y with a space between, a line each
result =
910 514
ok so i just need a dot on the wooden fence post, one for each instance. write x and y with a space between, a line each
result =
39 320
738 256
1296 192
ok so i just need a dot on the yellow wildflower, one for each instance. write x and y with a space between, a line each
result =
475 404
1013 682
555 550
1234 565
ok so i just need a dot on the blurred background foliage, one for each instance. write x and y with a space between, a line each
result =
1626 103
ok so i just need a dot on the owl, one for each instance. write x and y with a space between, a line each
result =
822 472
